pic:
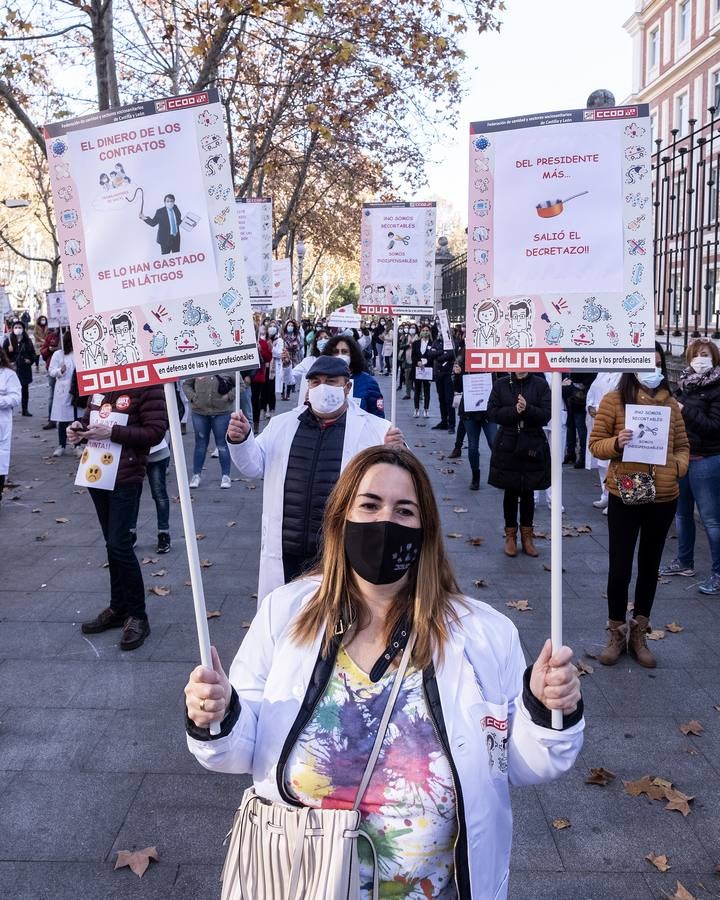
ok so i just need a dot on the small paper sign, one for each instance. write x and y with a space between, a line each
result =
650 426
100 460
476 391
423 373
344 317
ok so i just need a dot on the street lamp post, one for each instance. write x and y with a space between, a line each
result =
301 257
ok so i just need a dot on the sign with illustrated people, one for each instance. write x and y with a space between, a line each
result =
57 313
149 238
560 271
397 264
255 231
282 290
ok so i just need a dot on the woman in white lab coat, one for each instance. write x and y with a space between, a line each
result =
62 368
9 399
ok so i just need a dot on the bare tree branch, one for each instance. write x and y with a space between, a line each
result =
41 37
7 94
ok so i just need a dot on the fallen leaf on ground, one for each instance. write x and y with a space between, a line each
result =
454 534
136 860
149 560
187 583
659 861
542 535
676 800
105 565
559 824
584 529
663 581
206 563
214 614
46 501
159 573
583 668
41 537
36 510
419 445
62 520
692 727
522 605
600 776
476 541
231 524
253 596
644 785
657 634
592 654
200 536
682 893
79 492
480 583
674 627
549 568
716 707
447 471
459 509
159 590
245 624
248 487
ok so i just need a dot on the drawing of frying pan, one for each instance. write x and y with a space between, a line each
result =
552 208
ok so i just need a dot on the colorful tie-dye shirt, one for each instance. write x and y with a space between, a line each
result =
409 806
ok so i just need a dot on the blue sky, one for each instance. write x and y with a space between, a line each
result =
549 54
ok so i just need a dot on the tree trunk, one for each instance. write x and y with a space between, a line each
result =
104 53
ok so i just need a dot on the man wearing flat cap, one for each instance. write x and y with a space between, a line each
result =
300 454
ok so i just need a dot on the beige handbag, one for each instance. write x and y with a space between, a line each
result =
279 852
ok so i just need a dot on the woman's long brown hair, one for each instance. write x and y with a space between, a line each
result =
431 588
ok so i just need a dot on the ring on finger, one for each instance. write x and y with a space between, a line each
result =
202 705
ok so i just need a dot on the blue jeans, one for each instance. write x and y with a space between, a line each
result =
246 403
700 486
51 394
203 425
157 479
576 434
116 512
473 427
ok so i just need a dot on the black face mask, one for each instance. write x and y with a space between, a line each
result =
381 552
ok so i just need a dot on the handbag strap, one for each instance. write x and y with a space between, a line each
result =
382 728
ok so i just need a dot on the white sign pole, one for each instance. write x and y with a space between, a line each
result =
556 548
393 399
188 520
238 384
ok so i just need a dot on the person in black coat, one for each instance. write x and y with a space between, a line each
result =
574 391
167 219
20 349
520 460
443 361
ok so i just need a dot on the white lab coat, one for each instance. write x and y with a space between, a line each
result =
62 406
267 457
603 384
300 371
480 686
9 399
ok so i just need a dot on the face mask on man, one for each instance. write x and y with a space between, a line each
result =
381 552
701 364
650 380
322 344
326 398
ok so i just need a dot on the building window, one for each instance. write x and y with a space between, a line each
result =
681 114
654 48
653 131
683 22
715 88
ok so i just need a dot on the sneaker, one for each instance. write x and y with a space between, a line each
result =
711 585
225 482
416 414
677 568
48 426
195 481
605 511
215 453
451 429
108 618
163 542
134 632
601 503
59 451
455 453
426 414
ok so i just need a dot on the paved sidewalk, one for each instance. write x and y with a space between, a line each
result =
92 750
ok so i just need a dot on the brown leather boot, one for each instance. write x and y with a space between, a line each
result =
616 645
511 541
526 536
639 627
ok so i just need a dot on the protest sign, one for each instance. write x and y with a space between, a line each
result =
5 308
255 233
344 317
650 426
148 236
444 323
560 271
398 256
100 460
282 294
57 312
476 391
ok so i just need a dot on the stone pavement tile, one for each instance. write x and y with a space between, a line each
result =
188 815
46 740
128 684
633 747
663 886
36 640
644 692
31 606
577 886
614 831
533 847
197 882
709 679
54 682
73 817
97 880
180 642
142 741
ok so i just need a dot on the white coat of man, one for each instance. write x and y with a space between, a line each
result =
300 454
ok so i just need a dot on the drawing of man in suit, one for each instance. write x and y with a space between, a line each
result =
167 219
